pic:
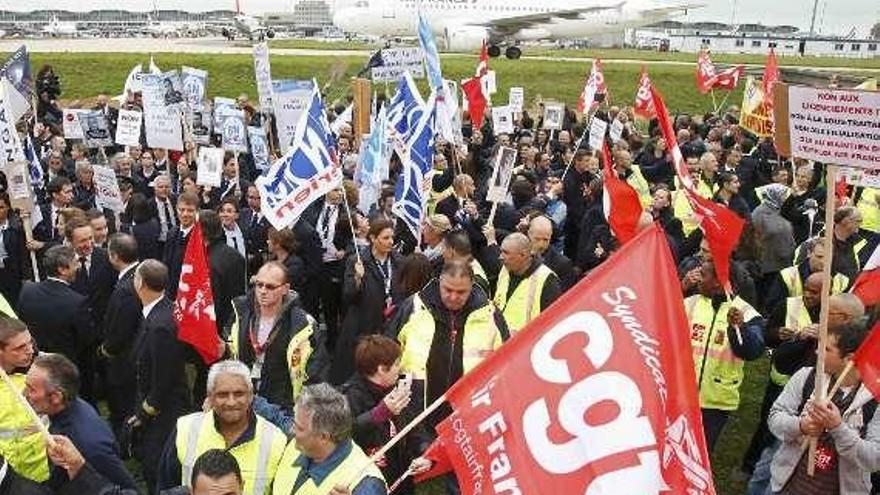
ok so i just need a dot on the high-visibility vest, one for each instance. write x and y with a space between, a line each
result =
869 206
6 308
481 337
791 276
681 207
796 318
299 350
349 472
24 450
719 371
258 458
640 184
525 302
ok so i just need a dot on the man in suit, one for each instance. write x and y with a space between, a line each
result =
334 232
231 182
119 331
162 392
228 268
148 172
255 227
162 208
46 234
14 258
111 114
57 316
175 244
463 191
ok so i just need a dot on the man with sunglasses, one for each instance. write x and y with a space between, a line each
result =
279 342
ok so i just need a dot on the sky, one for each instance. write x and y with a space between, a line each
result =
834 16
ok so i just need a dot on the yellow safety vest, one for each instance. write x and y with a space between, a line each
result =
24 450
869 206
6 308
525 302
349 472
478 269
299 350
796 318
481 337
258 458
719 371
640 184
681 207
792 278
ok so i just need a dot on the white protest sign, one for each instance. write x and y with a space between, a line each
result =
221 105
860 177
397 61
553 115
490 82
70 123
263 73
504 162
502 120
200 124
290 98
259 147
17 181
597 133
128 127
209 166
233 131
193 84
9 140
96 131
107 193
516 100
616 130
835 126
161 118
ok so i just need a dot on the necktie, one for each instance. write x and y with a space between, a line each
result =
235 242
82 275
168 216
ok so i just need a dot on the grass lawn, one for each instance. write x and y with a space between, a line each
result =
84 75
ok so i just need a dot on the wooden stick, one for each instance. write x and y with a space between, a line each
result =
29 236
492 214
35 418
357 252
577 146
843 374
397 438
713 100
820 392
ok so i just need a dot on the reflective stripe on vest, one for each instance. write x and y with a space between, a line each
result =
796 318
481 337
349 472
258 458
24 450
525 302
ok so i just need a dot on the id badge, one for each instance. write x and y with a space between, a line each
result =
257 369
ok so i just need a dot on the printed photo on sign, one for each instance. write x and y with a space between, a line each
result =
210 166
221 104
162 122
128 127
259 147
504 162
96 132
193 83
70 123
502 120
200 124
553 115
171 84
516 100
233 132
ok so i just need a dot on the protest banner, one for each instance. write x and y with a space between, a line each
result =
107 193
12 149
598 127
193 84
70 123
96 130
860 177
290 97
17 71
615 131
161 119
554 112
754 113
128 127
22 198
259 147
221 105
263 73
505 159
233 131
516 99
490 85
173 91
209 166
502 120
201 124
397 61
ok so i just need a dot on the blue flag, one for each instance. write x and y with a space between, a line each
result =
373 168
409 199
432 58
404 112
305 173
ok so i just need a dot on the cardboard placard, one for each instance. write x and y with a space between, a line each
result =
554 113
598 127
516 99
107 193
128 127
209 166
505 159
502 120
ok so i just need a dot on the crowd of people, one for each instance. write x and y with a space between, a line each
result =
341 328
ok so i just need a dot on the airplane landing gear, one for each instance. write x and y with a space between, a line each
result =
513 53
494 51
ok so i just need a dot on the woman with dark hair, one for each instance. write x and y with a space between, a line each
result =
144 227
415 272
369 291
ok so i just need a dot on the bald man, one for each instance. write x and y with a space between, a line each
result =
540 237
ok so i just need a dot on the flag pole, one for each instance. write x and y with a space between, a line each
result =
35 418
712 91
820 390
357 252
843 374
576 147
723 101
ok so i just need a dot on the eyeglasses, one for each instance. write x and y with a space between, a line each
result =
266 285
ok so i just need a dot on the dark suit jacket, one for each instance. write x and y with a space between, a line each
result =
255 235
159 362
45 231
448 206
17 265
57 316
228 279
119 330
102 278
146 235
562 267
175 247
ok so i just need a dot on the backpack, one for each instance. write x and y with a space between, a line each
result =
868 408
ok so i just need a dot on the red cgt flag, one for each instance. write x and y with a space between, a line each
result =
644 105
594 87
620 201
473 90
597 395
194 306
867 361
708 78
771 77
721 226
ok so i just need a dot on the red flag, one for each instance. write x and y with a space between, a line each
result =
483 65
867 361
708 78
620 202
596 395
841 191
721 226
729 78
644 105
867 284
437 454
473 90
594 87
771 77
194 306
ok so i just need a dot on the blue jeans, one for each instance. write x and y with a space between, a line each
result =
451 483
759 483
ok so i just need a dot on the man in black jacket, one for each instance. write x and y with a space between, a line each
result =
14 257
255 228
162 391
60 194
175 244
57 316
540 234
119 331
228 267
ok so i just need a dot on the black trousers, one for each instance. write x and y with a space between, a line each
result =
713 423
762 437
151 443
331 298
121 398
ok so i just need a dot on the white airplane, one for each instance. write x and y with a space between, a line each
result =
248 25
57 28
464 24
160 29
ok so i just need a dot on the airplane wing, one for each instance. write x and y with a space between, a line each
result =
510 25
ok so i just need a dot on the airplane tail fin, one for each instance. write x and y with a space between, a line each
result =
237 7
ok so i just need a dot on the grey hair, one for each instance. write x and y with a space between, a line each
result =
328 409
518 240
231 367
